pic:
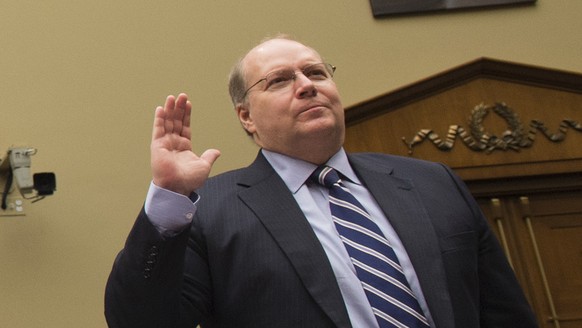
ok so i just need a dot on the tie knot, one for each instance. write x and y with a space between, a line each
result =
325 176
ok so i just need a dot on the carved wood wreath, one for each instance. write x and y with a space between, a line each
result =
477 138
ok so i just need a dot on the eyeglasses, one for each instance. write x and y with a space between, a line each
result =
280 79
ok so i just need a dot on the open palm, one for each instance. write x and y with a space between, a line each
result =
174 165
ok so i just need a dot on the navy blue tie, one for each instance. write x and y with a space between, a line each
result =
376 264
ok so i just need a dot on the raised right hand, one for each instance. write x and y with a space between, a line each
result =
174 166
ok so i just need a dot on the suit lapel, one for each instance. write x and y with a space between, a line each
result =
268 197
401 203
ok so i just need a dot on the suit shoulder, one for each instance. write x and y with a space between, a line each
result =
222 180
395 161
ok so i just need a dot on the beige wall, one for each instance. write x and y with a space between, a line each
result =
79 81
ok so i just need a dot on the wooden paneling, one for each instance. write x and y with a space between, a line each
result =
542 238
387 132
389 122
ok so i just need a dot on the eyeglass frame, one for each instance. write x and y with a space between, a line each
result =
327 65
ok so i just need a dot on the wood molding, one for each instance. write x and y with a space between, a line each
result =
480 68
486 119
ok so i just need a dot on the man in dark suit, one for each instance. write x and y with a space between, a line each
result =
257 247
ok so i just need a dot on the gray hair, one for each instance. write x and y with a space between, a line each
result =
237 83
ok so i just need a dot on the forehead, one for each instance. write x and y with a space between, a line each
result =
277 53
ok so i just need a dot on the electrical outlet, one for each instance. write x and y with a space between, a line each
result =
14 206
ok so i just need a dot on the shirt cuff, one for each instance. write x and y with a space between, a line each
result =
168 211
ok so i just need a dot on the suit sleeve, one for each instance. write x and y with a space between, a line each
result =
145 286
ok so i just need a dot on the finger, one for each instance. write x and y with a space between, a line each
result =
182 116
185 103
169 110
158 130
181 100
210 155
186 131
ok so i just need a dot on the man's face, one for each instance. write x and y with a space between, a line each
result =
304 116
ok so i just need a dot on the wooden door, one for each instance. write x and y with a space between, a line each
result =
541 233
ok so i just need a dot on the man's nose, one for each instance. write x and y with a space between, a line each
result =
305 87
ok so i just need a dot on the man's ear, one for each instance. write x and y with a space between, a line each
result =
244 116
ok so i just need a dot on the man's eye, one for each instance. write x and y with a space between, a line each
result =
316 74
277 80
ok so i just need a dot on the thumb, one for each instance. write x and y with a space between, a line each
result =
210 155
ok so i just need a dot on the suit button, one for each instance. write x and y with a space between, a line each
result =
150 262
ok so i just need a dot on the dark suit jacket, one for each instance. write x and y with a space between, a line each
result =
251 258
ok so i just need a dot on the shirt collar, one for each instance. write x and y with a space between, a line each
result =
295 172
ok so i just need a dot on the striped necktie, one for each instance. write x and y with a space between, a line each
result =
376 264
